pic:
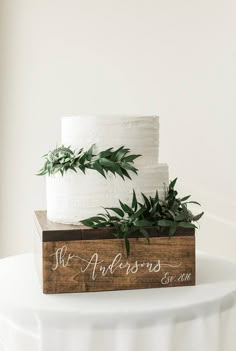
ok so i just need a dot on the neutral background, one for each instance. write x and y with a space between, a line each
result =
172 58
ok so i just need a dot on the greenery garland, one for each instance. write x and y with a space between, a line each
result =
171 213
119 161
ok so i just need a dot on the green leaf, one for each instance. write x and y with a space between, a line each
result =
137 214
73 169
126 174
116 235
134 201
121 152
143 223
185 210
154 209
82 159
197 217
128 167
113 156
96 219
172 214
116 210
180 217
82 168
106 153
164 223
131 158
126 208
145 234
172 229
99 168
156 197
103 215
172 184
185 198
90 153
87 222
41 172
127 246
186 225
101 225
118 229
193 202
107 163
132 229
114 218
119 172
147 202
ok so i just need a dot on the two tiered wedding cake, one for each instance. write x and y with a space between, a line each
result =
74 196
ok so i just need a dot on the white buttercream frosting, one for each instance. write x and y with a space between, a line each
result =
140 134
75 196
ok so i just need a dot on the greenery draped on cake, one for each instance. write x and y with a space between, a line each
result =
62 159
171 213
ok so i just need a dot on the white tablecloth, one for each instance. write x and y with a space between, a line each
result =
202 317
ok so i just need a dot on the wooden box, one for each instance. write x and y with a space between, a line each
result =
78 259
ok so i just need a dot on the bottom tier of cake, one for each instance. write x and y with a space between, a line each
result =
75 196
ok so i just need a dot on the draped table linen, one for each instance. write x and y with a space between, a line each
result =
201 317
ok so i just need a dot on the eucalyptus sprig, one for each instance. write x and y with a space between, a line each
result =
61 159
170 213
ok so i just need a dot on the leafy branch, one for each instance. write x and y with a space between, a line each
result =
170 213
119 161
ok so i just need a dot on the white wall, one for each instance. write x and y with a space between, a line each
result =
171 58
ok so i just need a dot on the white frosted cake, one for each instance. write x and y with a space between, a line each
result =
76 196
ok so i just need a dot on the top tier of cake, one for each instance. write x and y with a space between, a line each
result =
139 133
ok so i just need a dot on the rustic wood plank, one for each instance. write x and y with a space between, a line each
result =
51 231
100 265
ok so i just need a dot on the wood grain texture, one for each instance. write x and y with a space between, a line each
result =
90 265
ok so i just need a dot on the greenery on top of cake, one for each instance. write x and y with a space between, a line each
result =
170 213
117 161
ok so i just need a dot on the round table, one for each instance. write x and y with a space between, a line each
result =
201 317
